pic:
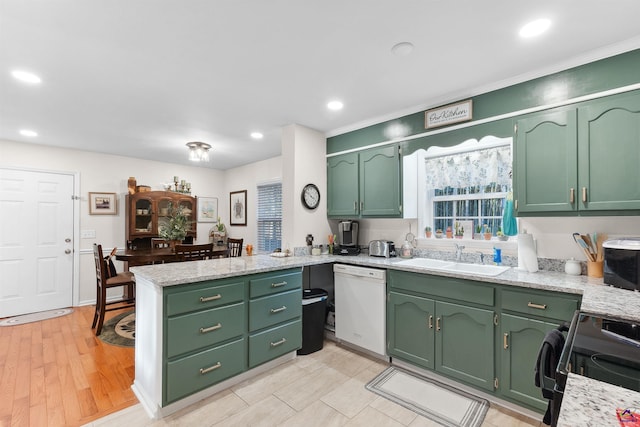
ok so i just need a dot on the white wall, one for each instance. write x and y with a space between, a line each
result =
108 173
304 162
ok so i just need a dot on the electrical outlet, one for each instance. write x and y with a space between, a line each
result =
88 234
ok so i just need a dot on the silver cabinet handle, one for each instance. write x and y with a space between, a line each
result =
538 306
278 285
210 368
355 206
430 322
211 298
437 324
211 328
505 341
584 194
361 206
278 310
277 343
572 195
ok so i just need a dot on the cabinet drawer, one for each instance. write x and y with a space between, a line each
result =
269 310
201 370
203 296
540 304
444 287
275 342
191 331
274 283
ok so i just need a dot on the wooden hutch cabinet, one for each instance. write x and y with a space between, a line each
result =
146 212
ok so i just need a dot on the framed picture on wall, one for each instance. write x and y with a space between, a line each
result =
207 209
238 207
103 204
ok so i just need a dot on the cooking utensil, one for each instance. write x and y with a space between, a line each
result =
579 239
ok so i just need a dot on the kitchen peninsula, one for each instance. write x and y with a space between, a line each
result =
254 347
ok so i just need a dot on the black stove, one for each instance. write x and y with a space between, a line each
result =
602 348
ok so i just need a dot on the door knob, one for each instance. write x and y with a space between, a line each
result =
67 240
67 251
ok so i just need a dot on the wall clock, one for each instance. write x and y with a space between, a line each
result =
310 196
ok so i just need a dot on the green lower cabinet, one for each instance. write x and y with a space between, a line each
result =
195 372
520 342
410 328
275 342
464 343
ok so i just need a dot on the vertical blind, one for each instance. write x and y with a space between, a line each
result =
269 217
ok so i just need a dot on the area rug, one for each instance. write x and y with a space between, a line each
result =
431 399
35 317
120 330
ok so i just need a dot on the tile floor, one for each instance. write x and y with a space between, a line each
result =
325 388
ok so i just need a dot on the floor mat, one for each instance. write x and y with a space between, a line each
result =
431 399
35 317
120 330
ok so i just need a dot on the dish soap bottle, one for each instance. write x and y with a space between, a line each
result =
406 251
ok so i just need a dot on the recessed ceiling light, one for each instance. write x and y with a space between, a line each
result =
402 49
535 28
335 105
256 135
27 132
25 76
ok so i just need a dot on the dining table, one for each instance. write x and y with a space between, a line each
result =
132 258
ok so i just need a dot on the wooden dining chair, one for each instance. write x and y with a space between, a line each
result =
107 278
194 252
234 246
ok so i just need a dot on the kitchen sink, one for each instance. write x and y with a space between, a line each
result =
455 267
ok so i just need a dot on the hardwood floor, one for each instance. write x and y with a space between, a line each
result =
58 373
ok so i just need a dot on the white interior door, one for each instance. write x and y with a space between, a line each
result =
36 241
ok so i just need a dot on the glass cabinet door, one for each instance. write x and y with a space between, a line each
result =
143 222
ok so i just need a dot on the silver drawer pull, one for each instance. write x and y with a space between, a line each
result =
539 306
210 368
211 298
278 310
210 328
277 343
278 285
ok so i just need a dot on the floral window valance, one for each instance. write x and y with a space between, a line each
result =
470 168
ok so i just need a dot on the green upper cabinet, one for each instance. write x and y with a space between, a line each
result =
580 159
609 153
546 162
342 185
365 184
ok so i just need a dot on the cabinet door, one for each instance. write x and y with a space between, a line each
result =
546 162
342 185
141 216
410 328
465 344
520 342
609 153
380 182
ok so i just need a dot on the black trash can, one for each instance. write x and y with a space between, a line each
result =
314 311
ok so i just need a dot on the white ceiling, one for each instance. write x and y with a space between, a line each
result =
141 78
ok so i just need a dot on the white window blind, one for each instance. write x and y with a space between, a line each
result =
269 217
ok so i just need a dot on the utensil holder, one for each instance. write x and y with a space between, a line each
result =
595 269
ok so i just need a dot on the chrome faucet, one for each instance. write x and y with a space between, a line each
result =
459 249
481 257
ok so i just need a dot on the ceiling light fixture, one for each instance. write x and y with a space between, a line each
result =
335 105
402 48
29 133
198 151
26 77
256 135
535 28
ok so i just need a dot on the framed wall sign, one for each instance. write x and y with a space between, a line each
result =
449 114
238 207
207 209
103 204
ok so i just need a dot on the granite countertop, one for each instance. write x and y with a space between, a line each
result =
596 298
592 403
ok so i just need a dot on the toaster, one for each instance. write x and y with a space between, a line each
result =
382 248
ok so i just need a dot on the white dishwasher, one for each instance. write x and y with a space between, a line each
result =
360 299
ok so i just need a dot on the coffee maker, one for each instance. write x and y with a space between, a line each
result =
348 238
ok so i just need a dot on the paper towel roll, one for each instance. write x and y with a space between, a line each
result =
527 258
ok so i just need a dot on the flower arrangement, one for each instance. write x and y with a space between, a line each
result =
177 225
